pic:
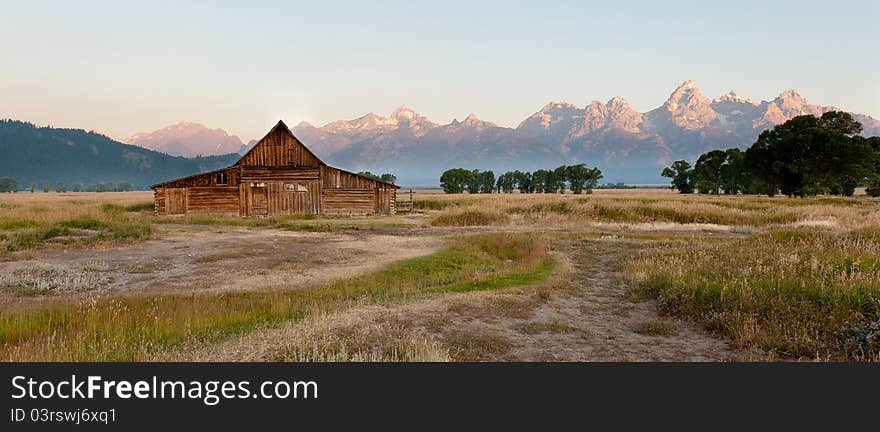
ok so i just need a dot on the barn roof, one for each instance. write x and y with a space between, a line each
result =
286 129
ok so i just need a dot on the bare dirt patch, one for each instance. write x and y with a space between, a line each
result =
207 258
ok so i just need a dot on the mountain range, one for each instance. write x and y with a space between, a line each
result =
626 144
189 140
33 154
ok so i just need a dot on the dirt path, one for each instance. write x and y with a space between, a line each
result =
582 314
614 327
218 258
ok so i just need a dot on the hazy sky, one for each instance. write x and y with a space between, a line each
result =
123 68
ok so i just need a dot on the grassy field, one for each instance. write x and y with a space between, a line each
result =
777 278
136 327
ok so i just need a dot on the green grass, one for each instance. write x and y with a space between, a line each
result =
80 230
137 326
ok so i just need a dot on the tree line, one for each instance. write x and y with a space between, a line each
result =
386 177
577 178
8 184
805 156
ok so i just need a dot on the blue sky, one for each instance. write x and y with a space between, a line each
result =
126 67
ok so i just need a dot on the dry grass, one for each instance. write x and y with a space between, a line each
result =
789 293
136 326
469 218
44 279
648 206
656 328
29 221
801 279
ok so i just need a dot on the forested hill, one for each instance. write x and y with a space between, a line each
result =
32 154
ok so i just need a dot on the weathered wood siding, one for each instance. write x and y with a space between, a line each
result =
335 178
386 200
175 201
279 176
205 179
279 198
279 148
349 201
159 201
257 174
214 199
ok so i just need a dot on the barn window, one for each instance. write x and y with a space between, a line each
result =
222 179
293 187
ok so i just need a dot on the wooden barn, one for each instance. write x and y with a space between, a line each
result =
278 176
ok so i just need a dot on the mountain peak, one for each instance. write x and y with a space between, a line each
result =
554 105
733 96
687 85
187 139
790 98
790 93
403 113
617 102
472 121
686 107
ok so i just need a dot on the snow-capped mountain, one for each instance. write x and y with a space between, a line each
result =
187 139
628 145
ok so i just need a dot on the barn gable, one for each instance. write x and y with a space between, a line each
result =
278 176
279 148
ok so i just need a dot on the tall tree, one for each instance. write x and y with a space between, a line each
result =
474 182
487 181
539 180
708 171
454 181
734 173
809 155
388 178
525 182
8 184
593 179
682 176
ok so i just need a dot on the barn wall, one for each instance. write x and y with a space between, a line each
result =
159 201
250 174
175 201
215 199
285 202
338 179
206 179
348 201
386 200
279 148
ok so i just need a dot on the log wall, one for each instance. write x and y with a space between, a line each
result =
159 201
205 179
349 201
215 199
335 178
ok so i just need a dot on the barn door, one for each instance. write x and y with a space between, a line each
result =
175 201
259 201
